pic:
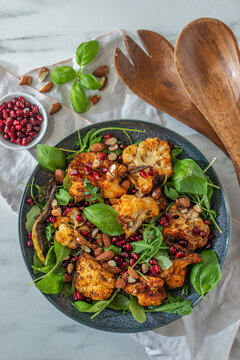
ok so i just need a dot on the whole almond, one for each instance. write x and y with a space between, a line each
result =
106 240
70 268
94 232
101 71
95 99
85 248
107 255
25 80
125 276
54 203
99 239
132 272
98 147
56 212
114 270
112 263
157 193
55 108
96 164
120 283
112 156
183 202
111 141
197 208
43 74
59 175
67 278
46 87
103 81
113 170
125 184
113 201
131 280
113 147
98 251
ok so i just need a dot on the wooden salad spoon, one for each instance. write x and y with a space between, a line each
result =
154 78
208 61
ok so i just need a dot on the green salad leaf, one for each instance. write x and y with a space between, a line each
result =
137 310
163 259
31 217
176 305
51 283
92 190
120 302
62 74
86 52
89 82
63 197
175 152
68 289
78 98
50 158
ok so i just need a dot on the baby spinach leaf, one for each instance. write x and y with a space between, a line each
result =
51 283
63 197
62 74
89 81
206 274
67 182
50 158
78 98
37 265
175 152
86 52
51 257
120 302
137 310
31 217
68 289
105 218
163 259
61 252
189 178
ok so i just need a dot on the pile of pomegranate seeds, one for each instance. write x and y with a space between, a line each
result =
20 121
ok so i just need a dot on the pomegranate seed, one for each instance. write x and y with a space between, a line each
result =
139 237
23 122
153 262
26 112
79 218
151 172
84 233
6 114
107 136
122 146
85 203
123 265
203 234
6 129
74 172
157 269
29 243
152 269
35 109
117 258
30 201
52 219
183 242
107 202
39 118
89 224
74 259
18 127
6 137
196 231
120 158
11 134
29 128
9 121
19 112
166 224
3 106
163 220
87 170
133 238
14 141
70 204
96 175
29 236
134 255
211 236
16 122
13 114
27 104
127 247
131 262
104 170
172 250
33 133
102 156
124 254
77 296
168 216
65 263
114 240
66 211
207 221
20 104
32 121
10 105
143 174
19 141
179 254
24 141
21 99
120 243
36 128
121 237
208 245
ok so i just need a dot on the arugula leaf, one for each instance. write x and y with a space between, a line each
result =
31 217
86 52
153 236
62 74
137 310
50 158
68 289
63 197
176 305
120 302
140 246
92 190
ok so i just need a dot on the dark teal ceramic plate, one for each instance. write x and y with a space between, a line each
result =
110 320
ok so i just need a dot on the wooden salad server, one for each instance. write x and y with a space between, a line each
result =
208 62
154 78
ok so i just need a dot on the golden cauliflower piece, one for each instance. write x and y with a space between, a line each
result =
174 277
132 211
151 153
91 280
88 165
149 292
67 225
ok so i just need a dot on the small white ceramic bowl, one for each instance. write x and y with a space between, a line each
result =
44 124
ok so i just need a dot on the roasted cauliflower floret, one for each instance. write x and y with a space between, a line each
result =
67 225
132 211
174 277
149 292
181 227
151 153
88 165
91 280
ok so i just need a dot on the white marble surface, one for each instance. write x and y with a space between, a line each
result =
36 32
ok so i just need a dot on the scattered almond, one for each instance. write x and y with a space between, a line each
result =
183 210
94 232
101 71
111 141
99 239
98 251
46 87
113 147
114 270
25 80
183 202
197 208
95 164
113 201
43 74
145 268
112 263
125 184
56 211
109 177
112 156
67 278
54 203
125 276
59 175
95 99
86 249
113 170
107 255
55 108
106 240
105 265
70 268
97 147
132 272
157 193
103 81
131 280
120 283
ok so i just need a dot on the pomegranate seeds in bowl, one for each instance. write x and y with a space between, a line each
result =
23 121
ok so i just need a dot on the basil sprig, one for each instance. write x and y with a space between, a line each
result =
50 158
86 53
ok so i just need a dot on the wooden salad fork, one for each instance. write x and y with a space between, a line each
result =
208 61
153 77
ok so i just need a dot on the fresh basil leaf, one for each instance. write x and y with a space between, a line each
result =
89 81
78 98
63 197
175 152
120 302
163 259
137 310
62 74
86 52
51 284
114 248
105 218
188 177
61 251
68 289
31 217
206 274
50 158
67 182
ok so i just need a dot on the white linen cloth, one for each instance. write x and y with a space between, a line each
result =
209 332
